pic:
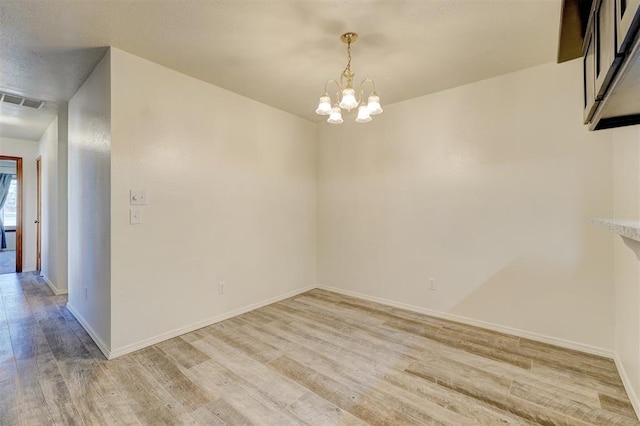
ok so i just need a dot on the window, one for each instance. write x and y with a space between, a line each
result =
8 212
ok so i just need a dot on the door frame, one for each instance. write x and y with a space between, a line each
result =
19 185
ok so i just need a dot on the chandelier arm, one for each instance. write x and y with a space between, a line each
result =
326 83
360 94
373 84
338 87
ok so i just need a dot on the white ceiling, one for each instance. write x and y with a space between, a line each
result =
278 52
25 123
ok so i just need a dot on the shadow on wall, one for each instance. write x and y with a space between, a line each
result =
633 245
528 294
514 291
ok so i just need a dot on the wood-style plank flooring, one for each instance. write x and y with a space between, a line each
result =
317 359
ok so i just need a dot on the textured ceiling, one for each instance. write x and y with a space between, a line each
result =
25 123
278 52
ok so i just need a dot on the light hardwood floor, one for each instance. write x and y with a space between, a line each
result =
318 359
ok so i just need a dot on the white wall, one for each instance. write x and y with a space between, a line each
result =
53 152
89 170
62 260
231 188
28 150
626 204
485 188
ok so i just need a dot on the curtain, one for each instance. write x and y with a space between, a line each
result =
5 182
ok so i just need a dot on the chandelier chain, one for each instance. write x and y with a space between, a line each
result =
347 71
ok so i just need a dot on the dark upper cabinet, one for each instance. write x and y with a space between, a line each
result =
606 55
589 86
626 19
611 64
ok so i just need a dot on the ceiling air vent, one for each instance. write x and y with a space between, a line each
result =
19 100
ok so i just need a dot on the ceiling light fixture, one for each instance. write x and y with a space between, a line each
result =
348 100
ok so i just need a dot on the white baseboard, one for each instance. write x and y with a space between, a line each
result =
94 336
183 330
53 288
470 321
628 386
117 352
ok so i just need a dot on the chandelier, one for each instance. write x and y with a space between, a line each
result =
348 92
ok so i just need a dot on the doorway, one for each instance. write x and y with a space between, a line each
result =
10 214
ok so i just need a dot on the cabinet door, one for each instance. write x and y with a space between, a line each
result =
627 17
607 60
589 78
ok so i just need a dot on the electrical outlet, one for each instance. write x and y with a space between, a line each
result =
221 287
433 284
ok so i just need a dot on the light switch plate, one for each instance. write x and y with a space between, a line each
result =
135 217
138 198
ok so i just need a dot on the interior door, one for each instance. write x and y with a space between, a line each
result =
38 220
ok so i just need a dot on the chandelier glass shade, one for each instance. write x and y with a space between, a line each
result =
347 97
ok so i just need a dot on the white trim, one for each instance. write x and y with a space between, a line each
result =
631 393
186 329
470 321
94 336
53 288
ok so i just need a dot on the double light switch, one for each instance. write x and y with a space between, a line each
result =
136 198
